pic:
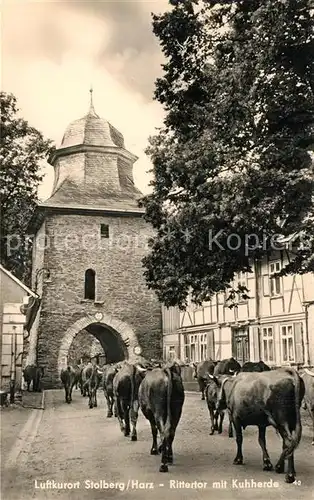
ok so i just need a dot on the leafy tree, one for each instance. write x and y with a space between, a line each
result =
22 149
232 159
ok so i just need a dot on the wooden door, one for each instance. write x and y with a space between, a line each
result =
240 345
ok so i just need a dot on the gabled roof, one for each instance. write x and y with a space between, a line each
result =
18 282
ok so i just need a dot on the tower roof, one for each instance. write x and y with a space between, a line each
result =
93 169
93 131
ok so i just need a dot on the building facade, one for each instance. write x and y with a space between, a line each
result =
17 304
276 323
90 241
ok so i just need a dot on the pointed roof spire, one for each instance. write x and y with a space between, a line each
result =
91 106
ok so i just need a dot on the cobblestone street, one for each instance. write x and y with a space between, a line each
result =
85 451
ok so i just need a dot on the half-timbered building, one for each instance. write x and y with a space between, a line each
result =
276 322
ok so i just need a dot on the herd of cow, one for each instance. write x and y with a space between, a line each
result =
252 395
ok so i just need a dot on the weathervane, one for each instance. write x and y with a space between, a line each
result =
91 108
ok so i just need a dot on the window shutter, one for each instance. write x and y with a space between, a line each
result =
298 340
256 346
210 345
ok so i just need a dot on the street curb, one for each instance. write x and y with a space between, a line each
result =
43 398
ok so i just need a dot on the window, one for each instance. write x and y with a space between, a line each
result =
241 280
195 347
90 284
171 352
275 281
203 347
187 356
268 344
104 231
287 344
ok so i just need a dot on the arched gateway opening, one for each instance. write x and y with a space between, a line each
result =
116 338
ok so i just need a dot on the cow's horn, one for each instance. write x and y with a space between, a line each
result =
210 375
99 372
141 369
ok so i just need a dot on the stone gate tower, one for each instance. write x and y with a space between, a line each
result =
90 240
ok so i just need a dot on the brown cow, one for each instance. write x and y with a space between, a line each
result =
263 399
85 375
68 378
259 366
200 373
211 393
227 366
33 373
125 390
107 384
161 397
93 383
308 377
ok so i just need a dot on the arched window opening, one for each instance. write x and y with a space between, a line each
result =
90 284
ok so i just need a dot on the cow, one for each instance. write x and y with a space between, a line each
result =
80 378
78 370
263 399
125 391
211 394
33 373
107 384
200 373
92 384
259 366
227 366
68 378
213 386
85 375
308 378
161 398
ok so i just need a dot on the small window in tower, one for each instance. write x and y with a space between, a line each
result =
90 284
104 230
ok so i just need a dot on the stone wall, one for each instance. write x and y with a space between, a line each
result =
75 244
11 342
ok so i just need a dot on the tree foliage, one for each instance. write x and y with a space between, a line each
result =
232 158
22 149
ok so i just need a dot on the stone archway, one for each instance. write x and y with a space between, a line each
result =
121 328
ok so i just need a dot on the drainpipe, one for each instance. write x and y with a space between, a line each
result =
258 288
13 365
179 345
307 343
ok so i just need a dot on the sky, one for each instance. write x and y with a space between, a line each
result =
52 52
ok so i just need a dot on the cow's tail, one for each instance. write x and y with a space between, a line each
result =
169 393
295 439
133 382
